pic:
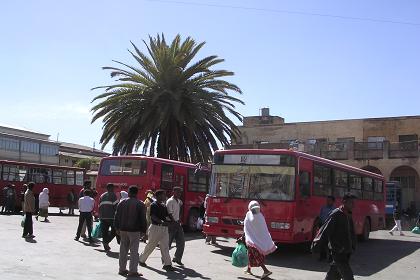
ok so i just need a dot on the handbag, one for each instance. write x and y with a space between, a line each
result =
97 231
240 255
22 223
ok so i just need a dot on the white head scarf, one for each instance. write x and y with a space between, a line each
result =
123 195
44 198
256 231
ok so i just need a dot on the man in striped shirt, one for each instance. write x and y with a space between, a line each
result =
107 206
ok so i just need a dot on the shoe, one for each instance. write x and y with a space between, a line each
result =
265 275
123 273
134 274
168 268
178 262
24 236
390 232
31 236
207 243
143 264
76 238
91 240
106 247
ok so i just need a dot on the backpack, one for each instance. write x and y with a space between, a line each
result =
321 238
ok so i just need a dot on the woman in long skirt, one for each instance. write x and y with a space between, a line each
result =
257 238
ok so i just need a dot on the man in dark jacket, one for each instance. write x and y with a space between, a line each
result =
341 240
107 206
130 225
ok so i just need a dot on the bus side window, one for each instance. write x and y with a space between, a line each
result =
304 184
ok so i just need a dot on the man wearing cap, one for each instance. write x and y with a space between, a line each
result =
341 239
174 205
158 231
107 206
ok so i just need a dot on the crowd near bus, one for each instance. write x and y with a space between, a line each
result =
259 197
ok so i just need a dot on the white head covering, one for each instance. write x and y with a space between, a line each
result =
123 195
44 198
256 231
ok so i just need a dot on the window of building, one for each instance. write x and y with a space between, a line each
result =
376 142
49 150
405 181
322 181
367 188
9 144
408 142
355 184
167 177
29 147
198 181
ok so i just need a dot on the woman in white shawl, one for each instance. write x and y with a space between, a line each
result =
44 202
257 238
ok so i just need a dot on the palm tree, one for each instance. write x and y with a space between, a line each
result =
168 104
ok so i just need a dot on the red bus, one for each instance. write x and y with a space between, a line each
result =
59 180
156 173
291 188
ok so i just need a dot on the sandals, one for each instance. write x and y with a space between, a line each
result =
265 275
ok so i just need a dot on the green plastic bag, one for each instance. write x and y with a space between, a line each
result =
97 231
416 230
240 256
22 223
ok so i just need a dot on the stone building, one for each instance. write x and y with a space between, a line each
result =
388 146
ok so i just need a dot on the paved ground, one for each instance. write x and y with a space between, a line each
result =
55 255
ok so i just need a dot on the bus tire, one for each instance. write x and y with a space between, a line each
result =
192 220
366 231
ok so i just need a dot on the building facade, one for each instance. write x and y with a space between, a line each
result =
20 144
388 146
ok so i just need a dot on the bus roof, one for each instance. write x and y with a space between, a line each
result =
41 165
156 159
301 154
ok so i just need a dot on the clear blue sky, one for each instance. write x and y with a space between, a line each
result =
303 67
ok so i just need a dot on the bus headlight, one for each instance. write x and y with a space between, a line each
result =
277 225
212 220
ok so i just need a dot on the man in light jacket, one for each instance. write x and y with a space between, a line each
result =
107 206
29 208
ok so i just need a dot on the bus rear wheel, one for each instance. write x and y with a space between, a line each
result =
366 231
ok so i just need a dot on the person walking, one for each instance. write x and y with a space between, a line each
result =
11 199
257 239
107 206
44 202
210 239
174 206
86 204
29 208
341 239
86 186
130 224
71 201
397 220
323 216
4 201
158 231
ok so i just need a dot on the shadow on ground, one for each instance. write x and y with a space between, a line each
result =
369 258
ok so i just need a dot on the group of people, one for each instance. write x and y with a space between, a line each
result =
130 220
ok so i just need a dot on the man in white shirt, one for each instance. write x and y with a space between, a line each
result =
174 206
86 204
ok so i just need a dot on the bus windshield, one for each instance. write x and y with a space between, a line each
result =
123 167
254 182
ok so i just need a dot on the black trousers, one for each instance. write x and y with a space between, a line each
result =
106 235
85 217
28 226
340 268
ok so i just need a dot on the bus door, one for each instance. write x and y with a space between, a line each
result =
304 212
